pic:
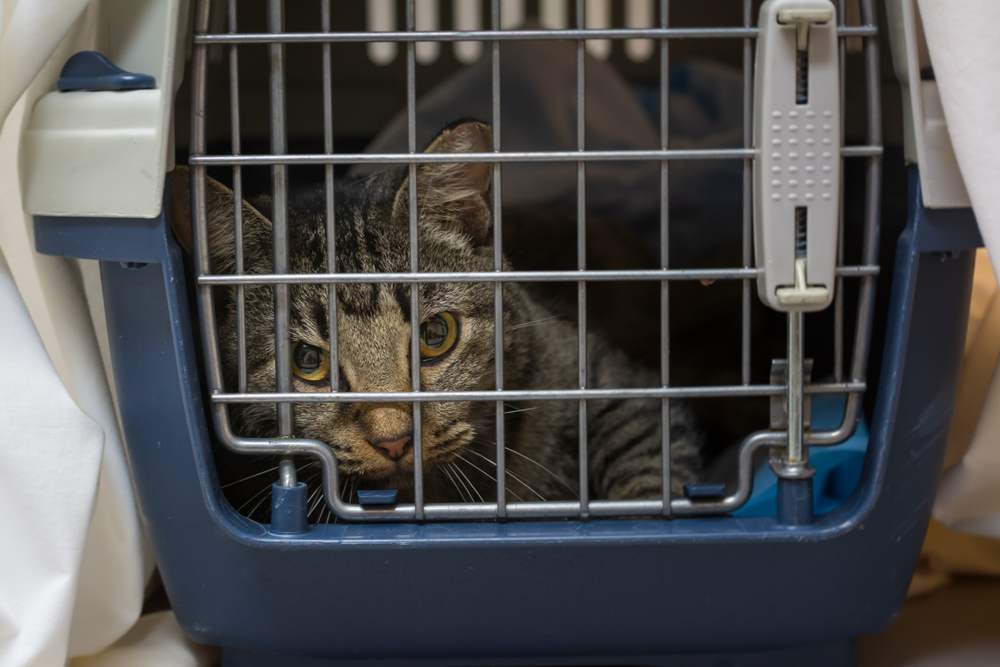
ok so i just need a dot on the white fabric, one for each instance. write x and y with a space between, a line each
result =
965 55
75 563
30 30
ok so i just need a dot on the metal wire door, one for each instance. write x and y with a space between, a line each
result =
791 443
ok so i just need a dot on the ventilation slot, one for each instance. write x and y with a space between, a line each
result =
800 232
802 76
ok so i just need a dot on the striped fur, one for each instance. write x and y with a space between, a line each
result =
540 349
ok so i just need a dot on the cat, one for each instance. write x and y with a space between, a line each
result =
373 442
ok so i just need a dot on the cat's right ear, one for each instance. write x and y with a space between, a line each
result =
454 195
219 213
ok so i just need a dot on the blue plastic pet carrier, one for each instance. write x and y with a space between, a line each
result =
810 545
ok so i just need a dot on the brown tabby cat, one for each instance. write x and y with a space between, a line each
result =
373 442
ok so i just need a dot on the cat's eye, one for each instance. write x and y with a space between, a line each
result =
310 363
438 335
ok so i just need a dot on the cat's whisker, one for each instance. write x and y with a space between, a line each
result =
260 502
447 473
558 478
468 462
317 494
264 490
317 504
515 411
459 484
263 472
464 478
509 474
533 323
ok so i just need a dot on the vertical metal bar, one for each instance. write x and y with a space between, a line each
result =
665 259
747 193
795 454
411 135
279 177
873 193
581 257
234 124
498 321
331 236
838 302
199 56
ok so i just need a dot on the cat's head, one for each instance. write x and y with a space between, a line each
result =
372 440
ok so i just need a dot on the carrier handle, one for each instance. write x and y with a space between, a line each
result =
797 134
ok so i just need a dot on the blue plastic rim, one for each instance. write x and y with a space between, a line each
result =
615 587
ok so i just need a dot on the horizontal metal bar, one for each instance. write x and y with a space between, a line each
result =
503 156
507 276
720 391
861 151
500 35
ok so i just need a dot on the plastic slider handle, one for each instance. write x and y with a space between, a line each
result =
797 134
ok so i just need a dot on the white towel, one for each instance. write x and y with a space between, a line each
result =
965 55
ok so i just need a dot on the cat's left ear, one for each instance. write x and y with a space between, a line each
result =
454 194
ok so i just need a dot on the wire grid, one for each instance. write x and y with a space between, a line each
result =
287 445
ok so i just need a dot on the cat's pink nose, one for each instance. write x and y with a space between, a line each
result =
396 448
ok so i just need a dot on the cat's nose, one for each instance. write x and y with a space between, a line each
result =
396 448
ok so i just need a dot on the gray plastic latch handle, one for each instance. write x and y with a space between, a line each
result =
797 134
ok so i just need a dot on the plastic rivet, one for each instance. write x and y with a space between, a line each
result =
377 498
704 491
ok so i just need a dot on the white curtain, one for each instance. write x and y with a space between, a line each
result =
965 54
74 564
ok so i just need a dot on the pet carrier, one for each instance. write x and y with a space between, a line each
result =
801 551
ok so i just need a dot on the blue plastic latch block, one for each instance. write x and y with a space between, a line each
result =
838 467
288 509
377 497
704 491
91 70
